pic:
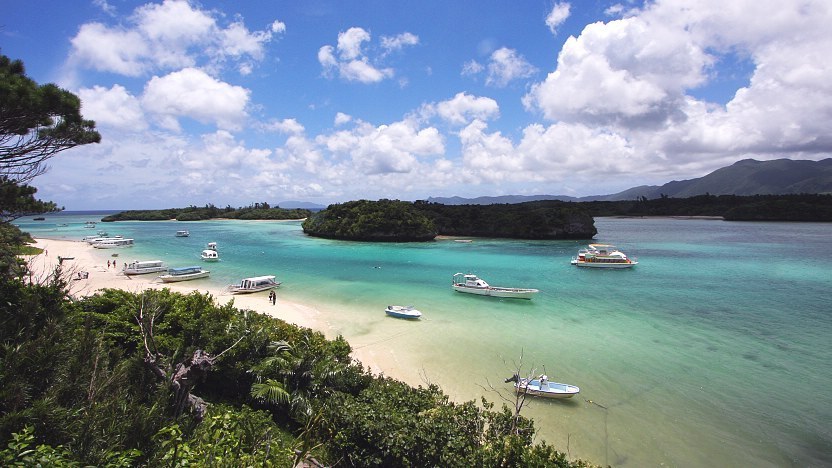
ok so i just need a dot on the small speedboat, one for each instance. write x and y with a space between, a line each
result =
542 387
405 312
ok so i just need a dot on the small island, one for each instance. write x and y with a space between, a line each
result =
194 213
399 221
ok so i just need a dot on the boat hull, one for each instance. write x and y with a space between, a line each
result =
177 278
581 264
551 390
512 293
402 312
144 271
239 290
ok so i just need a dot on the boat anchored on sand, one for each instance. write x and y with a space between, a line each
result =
602 256
184 274
468 283
144 267
405 312
253 284
542 387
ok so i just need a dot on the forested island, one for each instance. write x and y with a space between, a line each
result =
194 213
400 221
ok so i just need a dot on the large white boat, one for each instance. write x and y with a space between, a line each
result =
253 284
468 283
210 254
184 274
542 387
602 256
112 243
93 239
144 267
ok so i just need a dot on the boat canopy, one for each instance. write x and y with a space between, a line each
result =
259 279
184 270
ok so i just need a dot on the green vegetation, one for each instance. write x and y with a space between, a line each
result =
531 220
380 221
806 207
394 220
99 382
193 213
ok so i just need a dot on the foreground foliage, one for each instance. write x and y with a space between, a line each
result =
76 389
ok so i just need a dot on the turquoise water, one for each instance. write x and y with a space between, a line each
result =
713 351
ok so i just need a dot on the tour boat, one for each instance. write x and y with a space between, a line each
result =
468 283
405 312
183 233
253 284
112 243
89 224
210 254
144 267
542 387
93 239
184 274
602 256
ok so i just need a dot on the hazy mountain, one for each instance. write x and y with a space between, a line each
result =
292 204
746 177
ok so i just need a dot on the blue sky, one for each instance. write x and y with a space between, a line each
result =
232 103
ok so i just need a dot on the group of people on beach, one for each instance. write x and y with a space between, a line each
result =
273 297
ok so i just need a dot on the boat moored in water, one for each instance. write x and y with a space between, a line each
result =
184 274
469 283
253 284
542 387
405 312
602 256
183 233
112 243
210 254
144 267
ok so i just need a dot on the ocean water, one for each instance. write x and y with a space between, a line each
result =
713 351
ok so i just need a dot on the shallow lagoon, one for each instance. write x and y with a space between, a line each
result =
711 352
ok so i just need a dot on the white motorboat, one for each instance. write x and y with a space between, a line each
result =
89 224
184 274
405 312
602 256
542 387
210 254
468 283
93 239
112 243
253 284
183 233
144 267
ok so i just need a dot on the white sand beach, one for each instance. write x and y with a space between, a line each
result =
79 257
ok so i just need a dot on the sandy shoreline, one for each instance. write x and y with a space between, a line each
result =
80 257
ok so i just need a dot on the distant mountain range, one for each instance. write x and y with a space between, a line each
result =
294 204
746 177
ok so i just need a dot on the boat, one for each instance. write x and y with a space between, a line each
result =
144 267
253 284
468 283
93 239
405 312
210 254
112 243
62 225
184 274
602 256
39 218
89 224
183 233
542 387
